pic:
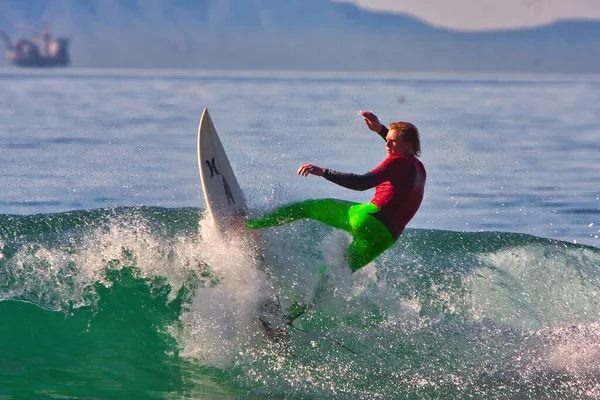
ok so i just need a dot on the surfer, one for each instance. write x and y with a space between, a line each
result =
399 182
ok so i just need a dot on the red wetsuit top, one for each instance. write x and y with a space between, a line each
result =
399 183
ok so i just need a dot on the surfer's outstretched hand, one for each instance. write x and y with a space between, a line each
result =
307 169
371 120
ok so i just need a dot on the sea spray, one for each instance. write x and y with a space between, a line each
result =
531 287
223 318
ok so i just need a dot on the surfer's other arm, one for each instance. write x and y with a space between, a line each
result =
344 179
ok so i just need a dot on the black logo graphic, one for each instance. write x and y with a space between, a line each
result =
228 193
212 166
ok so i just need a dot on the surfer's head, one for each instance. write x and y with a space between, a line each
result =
403 138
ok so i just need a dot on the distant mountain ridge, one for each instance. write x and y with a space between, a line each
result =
296 14
293 34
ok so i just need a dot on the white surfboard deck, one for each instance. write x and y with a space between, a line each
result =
227 209
224 197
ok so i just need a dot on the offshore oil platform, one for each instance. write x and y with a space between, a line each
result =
42 50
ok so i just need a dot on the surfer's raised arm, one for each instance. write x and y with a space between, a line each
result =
373 123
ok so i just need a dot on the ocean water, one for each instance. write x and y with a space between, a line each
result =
113 284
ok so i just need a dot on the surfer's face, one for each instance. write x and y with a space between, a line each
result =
394 144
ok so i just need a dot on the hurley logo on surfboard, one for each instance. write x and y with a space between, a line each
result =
212 166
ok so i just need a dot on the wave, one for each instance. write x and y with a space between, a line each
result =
155 303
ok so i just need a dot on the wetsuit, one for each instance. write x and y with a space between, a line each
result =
399 182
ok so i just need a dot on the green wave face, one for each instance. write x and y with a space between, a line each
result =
148 302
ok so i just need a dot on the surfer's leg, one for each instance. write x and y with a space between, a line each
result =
371 237
332 212
364 250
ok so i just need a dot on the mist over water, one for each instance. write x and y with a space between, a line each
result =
106 255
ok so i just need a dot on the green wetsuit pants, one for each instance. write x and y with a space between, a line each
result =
371 237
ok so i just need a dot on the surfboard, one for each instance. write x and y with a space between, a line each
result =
224 198
227 208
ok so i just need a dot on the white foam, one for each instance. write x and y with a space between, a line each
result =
222 320
133 244
574 350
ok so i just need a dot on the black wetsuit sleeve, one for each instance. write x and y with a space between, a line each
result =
353 181
383 132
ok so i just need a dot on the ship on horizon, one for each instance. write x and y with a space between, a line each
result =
51 52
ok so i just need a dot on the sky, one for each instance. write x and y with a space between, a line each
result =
473 15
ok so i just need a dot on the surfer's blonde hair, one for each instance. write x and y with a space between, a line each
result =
408 133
